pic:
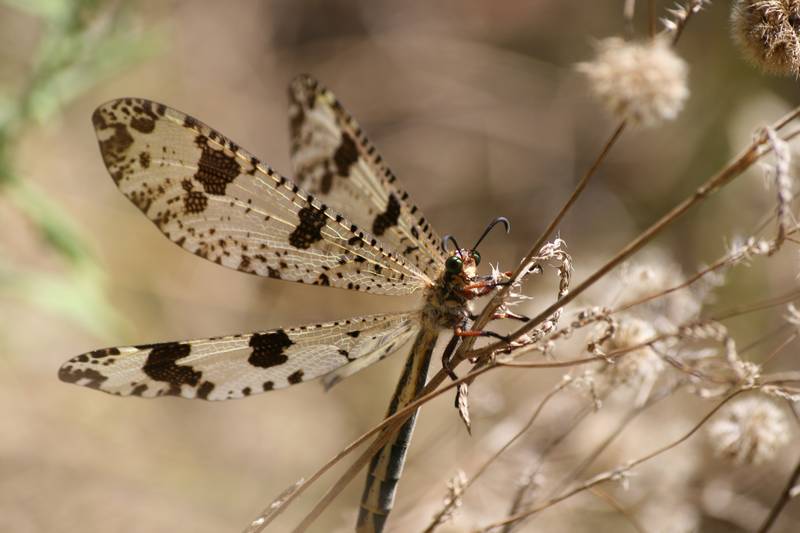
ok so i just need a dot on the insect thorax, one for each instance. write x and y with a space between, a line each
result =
446 306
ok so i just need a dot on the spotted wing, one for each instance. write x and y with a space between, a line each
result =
216 200
222 368
334 160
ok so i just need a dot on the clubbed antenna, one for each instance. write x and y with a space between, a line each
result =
447 238
491 225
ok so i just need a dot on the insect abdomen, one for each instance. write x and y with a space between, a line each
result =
386 465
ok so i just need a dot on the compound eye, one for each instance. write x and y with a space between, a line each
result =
476 256
454 264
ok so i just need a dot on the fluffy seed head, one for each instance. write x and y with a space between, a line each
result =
639 368
645 83
749 431
768 32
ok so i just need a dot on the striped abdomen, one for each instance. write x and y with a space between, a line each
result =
387 464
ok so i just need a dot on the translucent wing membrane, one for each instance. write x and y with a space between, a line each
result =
334 160
217 201
236 366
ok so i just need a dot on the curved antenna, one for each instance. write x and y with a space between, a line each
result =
492 224
447 238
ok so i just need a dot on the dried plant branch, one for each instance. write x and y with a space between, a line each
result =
741 163
528 425
271 512
452 501
617 473
522 493
617 431
783 499
611 501
749 156
680 16
652 18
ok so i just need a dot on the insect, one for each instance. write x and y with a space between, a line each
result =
217 201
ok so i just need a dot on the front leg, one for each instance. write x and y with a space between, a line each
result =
461 332
447 356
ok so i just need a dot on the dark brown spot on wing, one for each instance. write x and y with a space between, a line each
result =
295 377
345 156
161 366
105 352
69 374
143 118
268 349
114 149
309 230
388 218
215 169
204 390
195 202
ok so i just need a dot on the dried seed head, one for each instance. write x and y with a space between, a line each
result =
653 274
640 367
645 83
749 431
768 32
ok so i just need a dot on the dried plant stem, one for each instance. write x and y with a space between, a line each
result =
765 337
651 17
718 264
500 297
758 306
610 500
523 492
628 12
784 498
529 424
579 188
614 474
389 424
712 185
629 417
778 349
269 514
682 22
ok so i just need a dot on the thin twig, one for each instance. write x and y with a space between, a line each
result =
610 500
617 472
712 185
783 499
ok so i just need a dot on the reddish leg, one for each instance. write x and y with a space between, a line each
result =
460 332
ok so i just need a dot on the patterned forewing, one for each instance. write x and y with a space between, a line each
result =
334 160
215 200
236 366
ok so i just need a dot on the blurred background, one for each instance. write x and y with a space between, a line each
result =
477 108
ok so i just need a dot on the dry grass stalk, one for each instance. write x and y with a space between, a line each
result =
645 349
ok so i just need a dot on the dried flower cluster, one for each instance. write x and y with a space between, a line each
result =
645 83
749 431
768 32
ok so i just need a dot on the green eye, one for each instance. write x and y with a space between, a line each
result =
476 256
454 264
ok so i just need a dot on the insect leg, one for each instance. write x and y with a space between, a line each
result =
447 357
461 332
